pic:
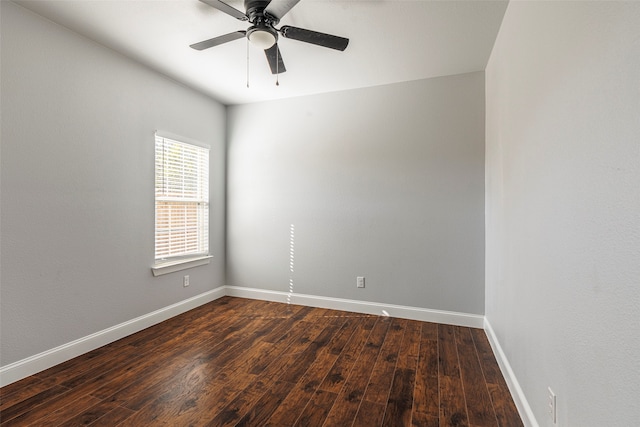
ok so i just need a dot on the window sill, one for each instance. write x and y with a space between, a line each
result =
176 265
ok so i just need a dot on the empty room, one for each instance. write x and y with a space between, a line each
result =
320 213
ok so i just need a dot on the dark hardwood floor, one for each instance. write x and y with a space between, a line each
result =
254 363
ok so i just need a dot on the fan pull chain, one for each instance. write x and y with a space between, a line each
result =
277 64
247 63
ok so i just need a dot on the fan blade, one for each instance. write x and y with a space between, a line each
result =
279 8
206 44
226 9
274 57
314 37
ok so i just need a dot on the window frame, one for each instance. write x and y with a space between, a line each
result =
171 263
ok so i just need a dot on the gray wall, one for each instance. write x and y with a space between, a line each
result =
384 182
563 206
77 185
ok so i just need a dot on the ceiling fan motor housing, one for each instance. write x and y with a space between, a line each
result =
262 33
255 12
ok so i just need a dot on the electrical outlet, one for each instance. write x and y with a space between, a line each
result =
185 281
360 282
552 407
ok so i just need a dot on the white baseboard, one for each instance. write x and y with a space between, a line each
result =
519 398
404 312
39 362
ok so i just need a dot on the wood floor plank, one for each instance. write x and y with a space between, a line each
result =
111 418
398 411
307 385
231 413
190 403
453 411
335 379
177 335
382 375
429 331
242 362
92 414
159 380
369 415
239 380
134 375
320 367
289 355
268 403
237 408
138 372
20 391
506 411
126 355
426 398
410 347
135 395
32 403
242 343
142 381
97 358
479 407
447 351
297 313
317 409
400 402
66 412
314 373
287 412
490 367
420 419
33 416
61 372
306 358
218 395
297 334
346 406
347 330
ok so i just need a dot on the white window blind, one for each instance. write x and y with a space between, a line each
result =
182 199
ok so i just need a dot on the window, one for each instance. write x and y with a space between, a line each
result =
182 201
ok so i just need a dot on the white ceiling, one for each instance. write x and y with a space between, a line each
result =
390 41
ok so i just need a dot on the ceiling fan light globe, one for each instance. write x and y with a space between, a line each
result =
262 39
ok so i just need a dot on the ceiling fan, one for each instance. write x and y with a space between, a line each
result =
264 15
